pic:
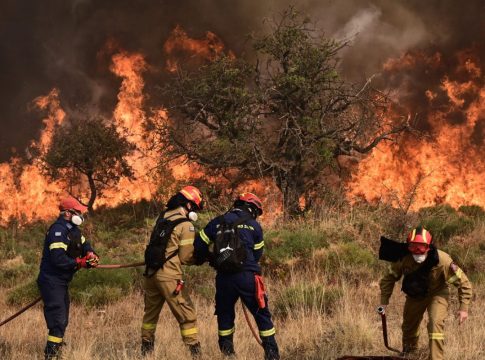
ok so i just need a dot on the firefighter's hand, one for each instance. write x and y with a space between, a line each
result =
462 316
92 259
81 263
88 261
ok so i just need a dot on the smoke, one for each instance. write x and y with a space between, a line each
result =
68 43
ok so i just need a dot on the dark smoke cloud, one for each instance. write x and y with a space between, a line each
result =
57 43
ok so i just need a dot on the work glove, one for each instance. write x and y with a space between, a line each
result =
88 261
92 259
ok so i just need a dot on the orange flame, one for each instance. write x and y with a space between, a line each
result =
34 197
180 43
448 165
27 193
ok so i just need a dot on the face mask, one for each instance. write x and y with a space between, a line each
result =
419 258
192 216
77 219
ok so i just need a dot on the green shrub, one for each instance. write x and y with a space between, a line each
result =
23 294
16 275
444 222
284 244
473 211
303 297
349 255
97 295
98 286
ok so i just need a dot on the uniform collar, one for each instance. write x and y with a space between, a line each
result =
241 212
65 222
176 211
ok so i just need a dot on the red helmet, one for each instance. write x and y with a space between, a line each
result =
71 203
251 199
419 241
194 195
420 235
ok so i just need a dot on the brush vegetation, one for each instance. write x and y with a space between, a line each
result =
321 275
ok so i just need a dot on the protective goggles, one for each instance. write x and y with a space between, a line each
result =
418 248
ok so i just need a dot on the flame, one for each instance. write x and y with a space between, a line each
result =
179 43
27 193
446 165
33 197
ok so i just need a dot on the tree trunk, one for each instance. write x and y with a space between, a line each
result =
292 190
94 192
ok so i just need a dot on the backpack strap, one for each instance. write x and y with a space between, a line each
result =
240 221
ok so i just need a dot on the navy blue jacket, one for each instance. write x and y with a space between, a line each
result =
250 232
56 265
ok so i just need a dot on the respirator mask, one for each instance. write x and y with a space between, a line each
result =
77 219
419 258
192 216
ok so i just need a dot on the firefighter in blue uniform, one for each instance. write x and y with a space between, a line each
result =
245 284
65 251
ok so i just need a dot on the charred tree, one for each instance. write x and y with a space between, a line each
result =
289 116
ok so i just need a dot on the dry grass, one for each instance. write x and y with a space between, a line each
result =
352 328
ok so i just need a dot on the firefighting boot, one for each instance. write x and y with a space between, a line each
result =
409 349
52 351
270 347
226 345
147 346
195 351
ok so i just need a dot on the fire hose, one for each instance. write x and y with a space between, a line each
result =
382 311
121 266
108 266
21 311
251 327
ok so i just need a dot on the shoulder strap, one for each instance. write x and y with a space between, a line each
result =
241 220
175 222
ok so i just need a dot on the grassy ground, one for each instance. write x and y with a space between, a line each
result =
322 277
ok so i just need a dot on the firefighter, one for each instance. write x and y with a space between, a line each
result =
65 251
427 272
246 282
164 283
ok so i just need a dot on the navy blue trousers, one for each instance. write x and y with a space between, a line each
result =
229 288
56 306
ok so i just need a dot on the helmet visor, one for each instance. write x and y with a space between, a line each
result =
418 248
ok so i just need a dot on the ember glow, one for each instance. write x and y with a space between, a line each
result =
447 163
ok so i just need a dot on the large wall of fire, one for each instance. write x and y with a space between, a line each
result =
433 70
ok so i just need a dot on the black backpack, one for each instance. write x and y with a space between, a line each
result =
156 248
229 252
